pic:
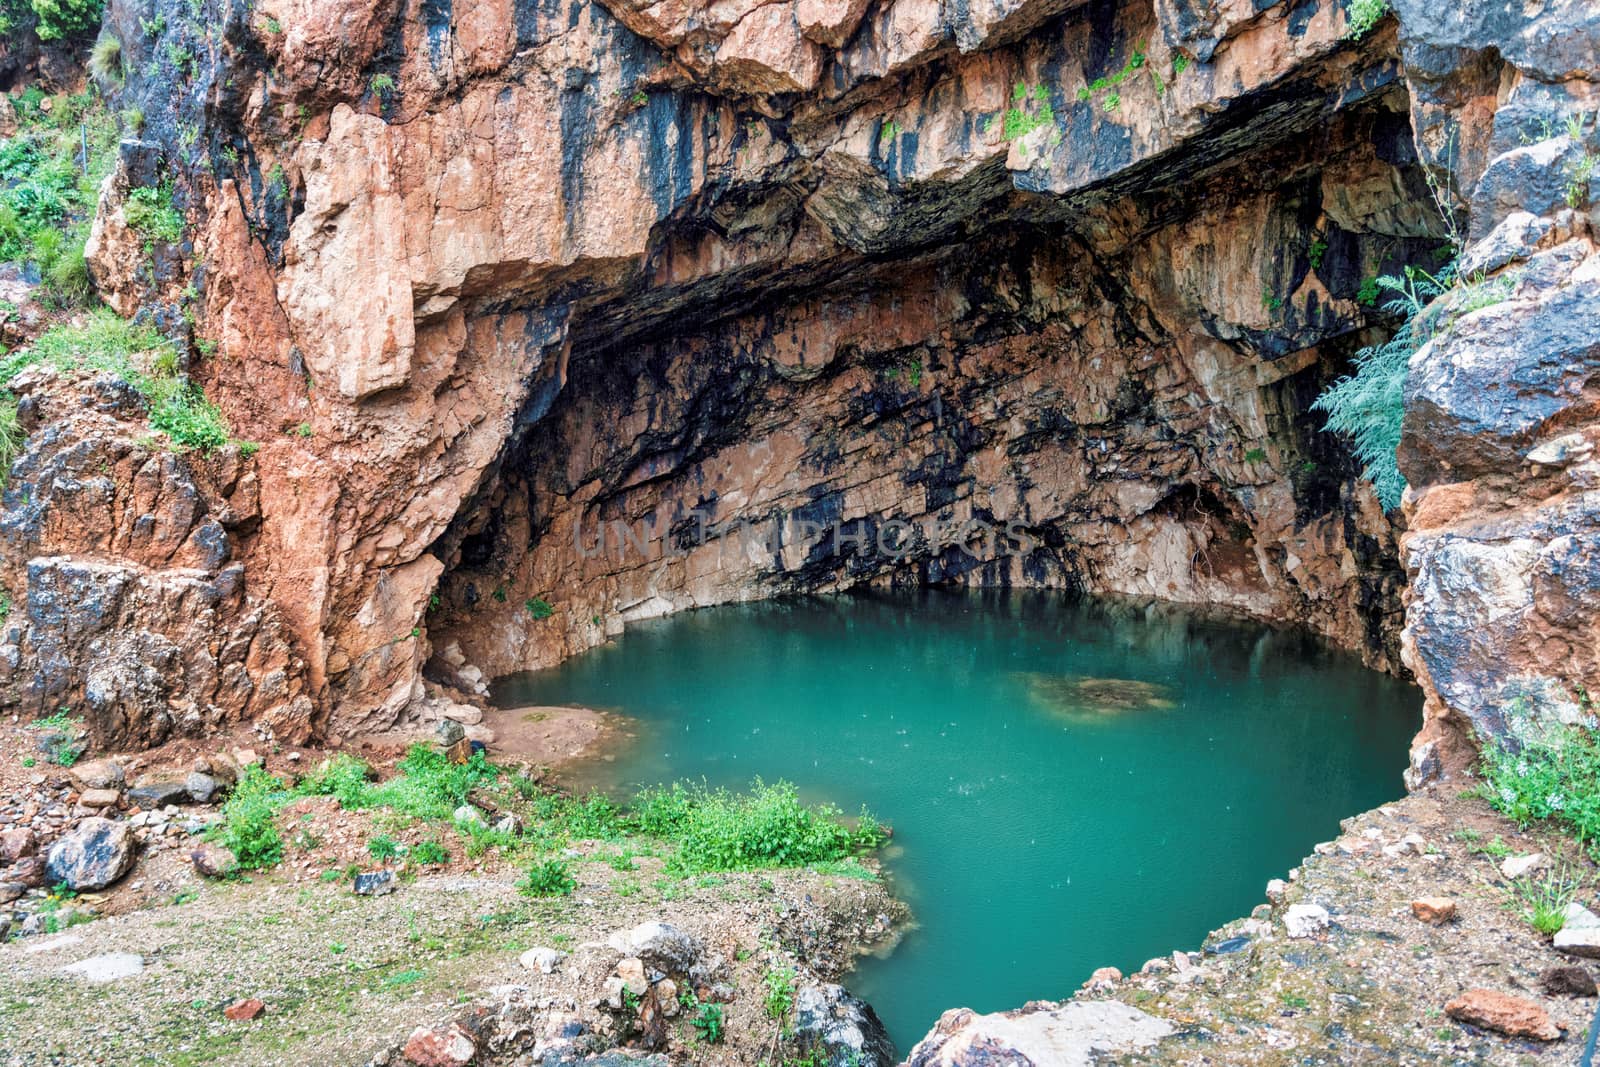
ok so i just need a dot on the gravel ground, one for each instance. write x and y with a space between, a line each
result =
1373 986
343 977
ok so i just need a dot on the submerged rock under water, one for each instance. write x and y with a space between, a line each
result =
1079 697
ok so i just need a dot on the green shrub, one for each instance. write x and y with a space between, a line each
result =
429 786
778 998
1029 110
343 777
595 818
150 213
1363 16
539 609
63 18
383 848
1545 772
548 878
181 411
429 852
247 827
767 827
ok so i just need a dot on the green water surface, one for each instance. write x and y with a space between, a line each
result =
1049 818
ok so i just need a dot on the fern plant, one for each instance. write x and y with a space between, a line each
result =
1368 406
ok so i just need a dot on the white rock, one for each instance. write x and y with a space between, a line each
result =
110 967
1276 889
543 960
1578 917
1416 842
467 814
1584 941
1305 920
1517 866
1569 448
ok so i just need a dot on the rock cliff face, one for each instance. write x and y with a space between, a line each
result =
805 294
1500 407
489 280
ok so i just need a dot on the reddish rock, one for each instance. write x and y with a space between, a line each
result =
244 1010
15 844
1435 911
1510 1015
100 798
30 871
213 861
442 1046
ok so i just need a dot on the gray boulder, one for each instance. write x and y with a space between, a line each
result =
838 1029
92 855
660 945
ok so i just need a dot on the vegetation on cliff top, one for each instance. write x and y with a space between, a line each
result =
50 175
1364 16
49 186
140 356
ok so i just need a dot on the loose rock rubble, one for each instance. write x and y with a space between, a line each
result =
1400 941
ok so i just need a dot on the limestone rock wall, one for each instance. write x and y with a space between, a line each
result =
481 274
1501 414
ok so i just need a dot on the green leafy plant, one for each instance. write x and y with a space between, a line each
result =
151 214
1030 109
383 848
707 1023
547 878
1363 16
1137 60
887 135
768 827
1318 251
777 998
429 853
248 828
381 84
539 608
1544 771
63 18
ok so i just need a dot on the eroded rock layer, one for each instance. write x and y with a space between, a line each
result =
491 276
487 282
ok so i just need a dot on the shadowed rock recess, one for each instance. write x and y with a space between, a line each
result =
491 284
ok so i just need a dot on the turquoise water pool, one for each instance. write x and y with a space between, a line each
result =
1071 785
